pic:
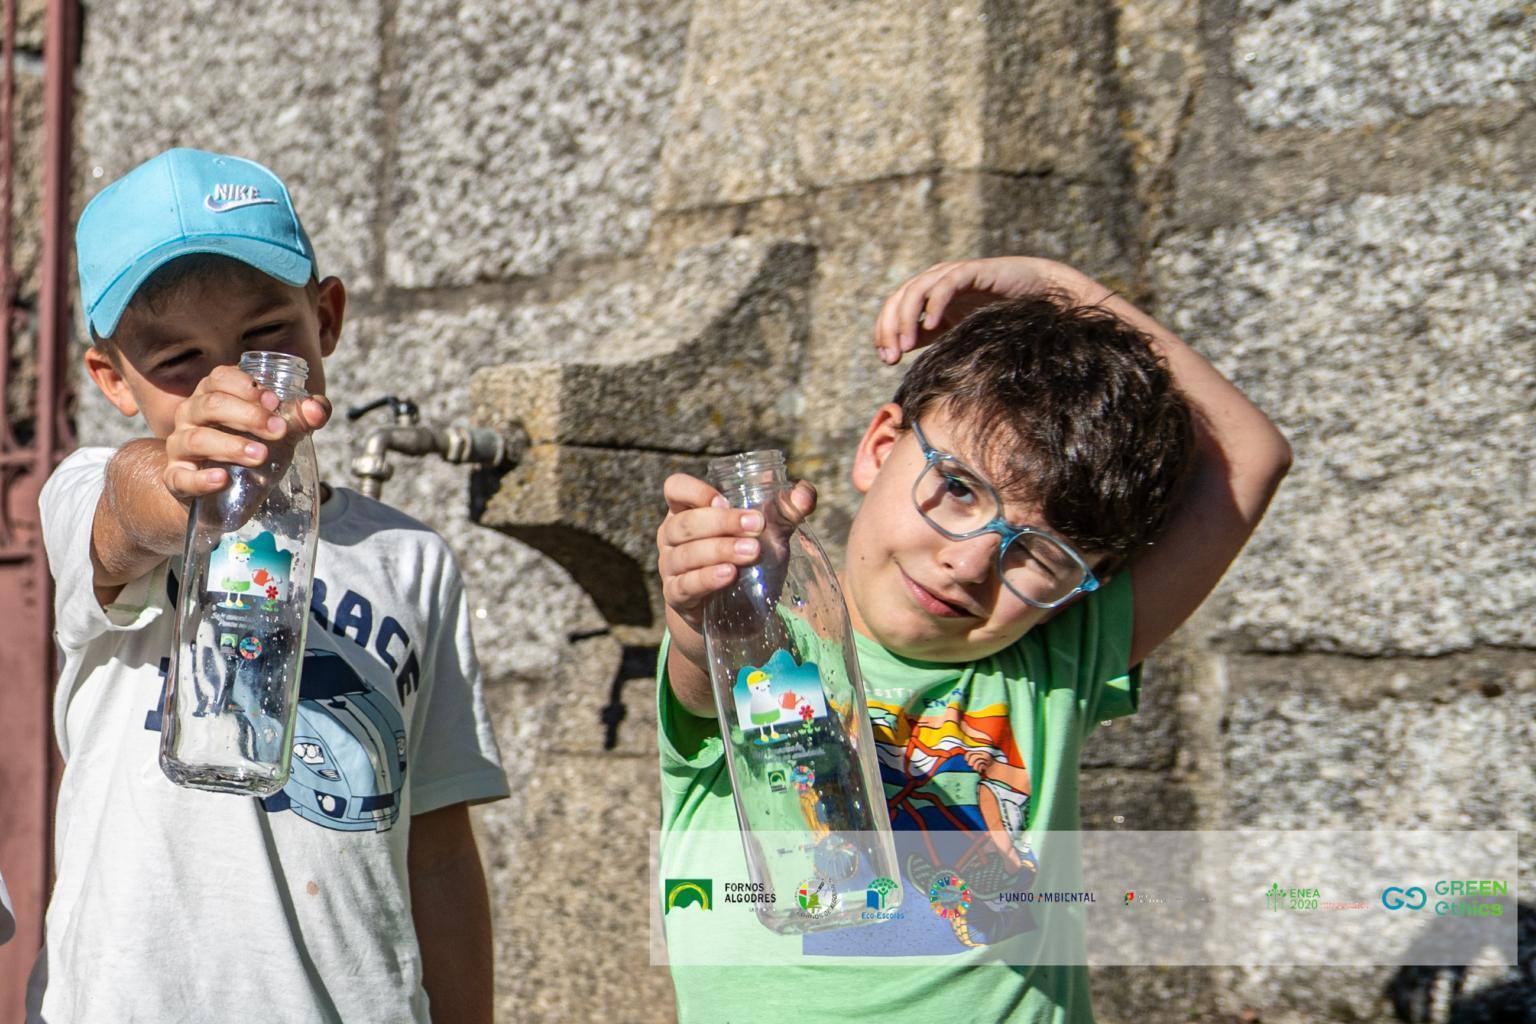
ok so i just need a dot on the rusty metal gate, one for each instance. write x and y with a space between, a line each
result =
34 436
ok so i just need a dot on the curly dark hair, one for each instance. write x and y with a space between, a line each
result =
1070 409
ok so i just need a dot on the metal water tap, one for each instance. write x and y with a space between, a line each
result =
480 446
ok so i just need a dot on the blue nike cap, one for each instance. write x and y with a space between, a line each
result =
184 201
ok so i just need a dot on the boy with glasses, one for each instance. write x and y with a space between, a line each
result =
1057 485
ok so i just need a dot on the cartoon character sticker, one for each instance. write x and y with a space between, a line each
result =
763 711
251 567
780 693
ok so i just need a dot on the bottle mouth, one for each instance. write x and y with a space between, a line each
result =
746 465
277 370
749 473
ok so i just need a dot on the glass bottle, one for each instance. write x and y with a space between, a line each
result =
800 749
243 608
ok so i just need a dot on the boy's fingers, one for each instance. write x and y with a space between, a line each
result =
803 497
205 444
698 523
799 503
690 588
187 481
897 327
230 379
315 411
704 554
684 492
939 295
938 286
912 301
235 382
886 327
907 308
221 409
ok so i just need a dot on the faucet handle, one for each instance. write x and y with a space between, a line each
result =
403 409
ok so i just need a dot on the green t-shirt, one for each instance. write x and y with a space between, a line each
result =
969 753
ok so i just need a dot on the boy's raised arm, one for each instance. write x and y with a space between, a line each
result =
1240 456
1240 459
141 517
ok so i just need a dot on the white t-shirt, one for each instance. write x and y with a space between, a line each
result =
176 904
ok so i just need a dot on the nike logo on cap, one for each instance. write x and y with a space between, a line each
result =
224 198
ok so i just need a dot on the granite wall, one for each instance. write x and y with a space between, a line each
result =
571 215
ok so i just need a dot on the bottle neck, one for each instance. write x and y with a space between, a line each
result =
750 479
285 375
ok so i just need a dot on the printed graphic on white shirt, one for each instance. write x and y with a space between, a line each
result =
348 765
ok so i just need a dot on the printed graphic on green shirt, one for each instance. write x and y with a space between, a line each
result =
949 738
958 789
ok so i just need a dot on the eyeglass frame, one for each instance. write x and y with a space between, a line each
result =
1003 528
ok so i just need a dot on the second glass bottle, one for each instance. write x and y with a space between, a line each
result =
799 745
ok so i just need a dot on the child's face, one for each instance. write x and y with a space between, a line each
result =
912 589
164 352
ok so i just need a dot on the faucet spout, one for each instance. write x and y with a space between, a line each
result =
478 446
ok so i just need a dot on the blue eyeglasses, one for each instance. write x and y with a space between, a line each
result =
1041 570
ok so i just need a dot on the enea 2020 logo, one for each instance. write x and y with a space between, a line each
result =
688 892
1473 897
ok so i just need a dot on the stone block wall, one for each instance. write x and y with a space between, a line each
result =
565 214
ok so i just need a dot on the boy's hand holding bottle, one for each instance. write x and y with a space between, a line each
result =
700 545
703 540
229 419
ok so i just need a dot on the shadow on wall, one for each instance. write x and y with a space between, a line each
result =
1414 991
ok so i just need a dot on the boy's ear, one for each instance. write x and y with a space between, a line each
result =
330 308
108 378
880 437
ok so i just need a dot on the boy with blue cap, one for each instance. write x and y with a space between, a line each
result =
357 891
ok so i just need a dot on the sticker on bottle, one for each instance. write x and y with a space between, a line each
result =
781 701
251 574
